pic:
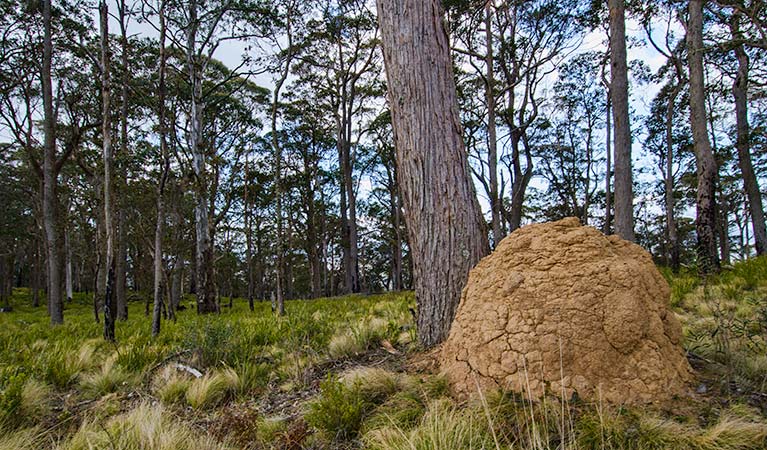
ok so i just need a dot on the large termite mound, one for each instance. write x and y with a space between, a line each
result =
561 308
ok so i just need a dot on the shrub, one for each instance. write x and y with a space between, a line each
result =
338 412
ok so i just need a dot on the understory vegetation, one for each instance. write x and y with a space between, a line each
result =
345 373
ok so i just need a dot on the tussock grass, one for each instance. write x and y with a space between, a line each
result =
35 401
24 439
212 389
443 427
170 385
145 427
108 379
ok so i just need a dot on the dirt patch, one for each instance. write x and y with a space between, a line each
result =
562 308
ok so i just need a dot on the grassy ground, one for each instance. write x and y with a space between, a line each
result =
344 373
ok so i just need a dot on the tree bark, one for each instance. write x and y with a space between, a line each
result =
705 222
624 196
204 283
750 182
109 299
445 224
68 264
50 179
120 268
248 236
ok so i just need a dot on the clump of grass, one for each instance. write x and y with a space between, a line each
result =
109 378
24 439
35 400
374 384
170 385
145 427
357 338
619 430
63 366
212 389
443 427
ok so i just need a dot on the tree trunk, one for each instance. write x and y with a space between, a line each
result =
205 289
50 179
608 162
445 224
248 236
671 230
705 222
68 264
750 182
159 269
624 196
120 269
109 298
120 257
492 141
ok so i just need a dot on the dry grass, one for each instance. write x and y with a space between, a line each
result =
145 427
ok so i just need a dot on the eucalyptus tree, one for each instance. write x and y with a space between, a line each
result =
340 68
198 29
708 258
566 141
445 225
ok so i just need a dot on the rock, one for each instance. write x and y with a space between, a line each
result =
561 308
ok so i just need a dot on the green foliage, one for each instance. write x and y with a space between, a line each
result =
339 410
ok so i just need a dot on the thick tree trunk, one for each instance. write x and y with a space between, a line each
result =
750 182
492 140
109 298
50 179
624 196
705 222
445 224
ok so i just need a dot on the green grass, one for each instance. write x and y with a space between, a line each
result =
66 388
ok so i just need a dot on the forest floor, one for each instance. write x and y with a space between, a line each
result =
346 373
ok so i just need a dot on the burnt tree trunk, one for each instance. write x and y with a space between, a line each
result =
445 225
109 273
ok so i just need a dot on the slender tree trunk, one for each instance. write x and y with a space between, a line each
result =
120 261
445 224
608 162
120 269
159 269
248 236
205 289
624 196
279 305
750 182
671 230
68 264
106 97
50 179
492 141
723 217
705 222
